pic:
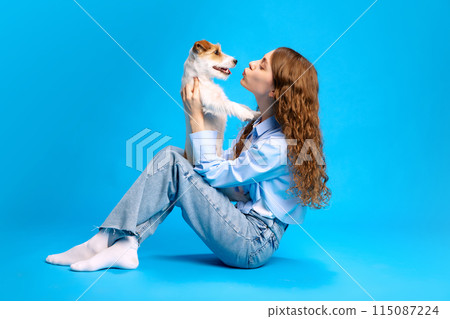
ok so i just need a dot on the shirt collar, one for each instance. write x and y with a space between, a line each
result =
260 127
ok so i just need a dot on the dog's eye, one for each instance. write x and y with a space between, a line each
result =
216 52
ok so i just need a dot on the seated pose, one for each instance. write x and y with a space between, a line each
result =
273 170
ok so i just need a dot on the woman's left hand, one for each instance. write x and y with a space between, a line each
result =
192 105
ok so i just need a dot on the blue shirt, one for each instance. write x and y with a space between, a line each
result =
261 170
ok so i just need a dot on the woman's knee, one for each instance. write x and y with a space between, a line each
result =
173 148
169 150
169 154
173 153
177 156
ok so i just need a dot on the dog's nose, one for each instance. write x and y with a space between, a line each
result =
235 61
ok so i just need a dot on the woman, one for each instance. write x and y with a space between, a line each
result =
251 172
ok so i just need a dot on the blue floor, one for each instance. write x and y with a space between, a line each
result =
70 98
397 263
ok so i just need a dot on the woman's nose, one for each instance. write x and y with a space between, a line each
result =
251 64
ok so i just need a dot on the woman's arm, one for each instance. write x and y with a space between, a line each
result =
263 160
193 106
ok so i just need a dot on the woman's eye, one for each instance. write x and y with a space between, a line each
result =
216 52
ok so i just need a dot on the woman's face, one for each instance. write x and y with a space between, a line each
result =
257 78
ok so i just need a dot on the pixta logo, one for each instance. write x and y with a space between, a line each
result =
143 143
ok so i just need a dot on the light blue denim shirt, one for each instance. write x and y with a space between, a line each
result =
261 170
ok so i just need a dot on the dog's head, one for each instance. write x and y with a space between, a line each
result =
209 60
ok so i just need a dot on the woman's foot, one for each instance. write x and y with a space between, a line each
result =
122 254
86 250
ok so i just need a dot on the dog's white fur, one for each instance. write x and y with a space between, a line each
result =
216 105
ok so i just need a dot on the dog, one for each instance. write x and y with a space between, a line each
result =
207 61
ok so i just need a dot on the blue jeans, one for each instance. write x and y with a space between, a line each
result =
237 239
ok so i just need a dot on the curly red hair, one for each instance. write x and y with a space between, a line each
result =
296 108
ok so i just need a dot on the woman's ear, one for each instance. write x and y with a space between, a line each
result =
271 93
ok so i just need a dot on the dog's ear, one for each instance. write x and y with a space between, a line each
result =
201 46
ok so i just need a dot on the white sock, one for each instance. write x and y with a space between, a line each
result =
86 250
122 254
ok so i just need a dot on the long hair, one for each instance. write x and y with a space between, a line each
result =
296 108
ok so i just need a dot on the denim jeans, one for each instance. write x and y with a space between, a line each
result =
237 239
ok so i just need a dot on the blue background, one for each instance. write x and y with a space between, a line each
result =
70 98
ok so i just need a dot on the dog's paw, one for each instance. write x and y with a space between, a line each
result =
256 114
246 115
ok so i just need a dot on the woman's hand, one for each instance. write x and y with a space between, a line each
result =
193 106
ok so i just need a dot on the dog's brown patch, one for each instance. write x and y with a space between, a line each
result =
204 47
